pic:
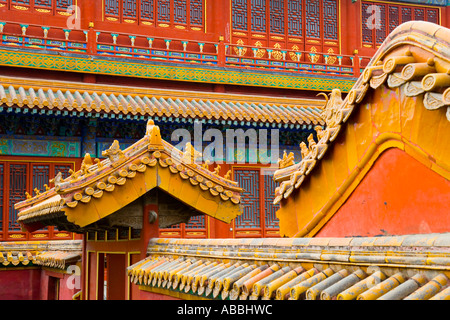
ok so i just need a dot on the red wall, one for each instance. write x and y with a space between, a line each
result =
33 284
144 295
20 284
399 195
65 292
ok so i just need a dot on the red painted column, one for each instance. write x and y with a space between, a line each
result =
150 227
445 17
218 15
88 16
84 269
343 27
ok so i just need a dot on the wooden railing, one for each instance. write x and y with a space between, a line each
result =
180 51
151 48
43 37
278 59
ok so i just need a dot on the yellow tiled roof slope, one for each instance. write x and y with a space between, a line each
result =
52 254
363 268
59 96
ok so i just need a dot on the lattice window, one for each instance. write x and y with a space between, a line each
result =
147 11
43 6
419 14
394 21
277 16
258 18
43 3
295 18
271 220
17 189
312 13
196 223
433 15
64 169
380 30
239 14
179 11
163 7
63 4
406 14
129 9
40 177
112 7
196 12
381 19
330 19
249 181
167 12
367 23
18 178
21 2
292 24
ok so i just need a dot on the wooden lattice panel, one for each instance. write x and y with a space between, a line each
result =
281 25
271 220
17 188
249 181
17 178
379 19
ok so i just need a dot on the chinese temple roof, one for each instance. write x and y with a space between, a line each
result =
101 188
52 254
365 268
410 72
25 95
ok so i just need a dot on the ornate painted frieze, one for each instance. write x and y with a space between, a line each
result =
156 71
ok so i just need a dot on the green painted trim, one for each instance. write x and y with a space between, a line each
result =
36 147
98 65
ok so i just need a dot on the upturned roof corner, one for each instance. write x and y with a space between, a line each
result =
410 70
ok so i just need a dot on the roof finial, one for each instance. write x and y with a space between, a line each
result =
153 132
287 160
190 154
113 153
228 175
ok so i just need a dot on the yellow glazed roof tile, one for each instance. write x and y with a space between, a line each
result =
66 96
52 254
254 269
149 163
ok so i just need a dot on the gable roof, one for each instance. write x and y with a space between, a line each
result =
410 72
101 188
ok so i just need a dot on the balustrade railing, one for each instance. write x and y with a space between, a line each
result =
42 37
294 60
154 48
141 47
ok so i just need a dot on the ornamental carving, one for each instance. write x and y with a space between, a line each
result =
113 153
